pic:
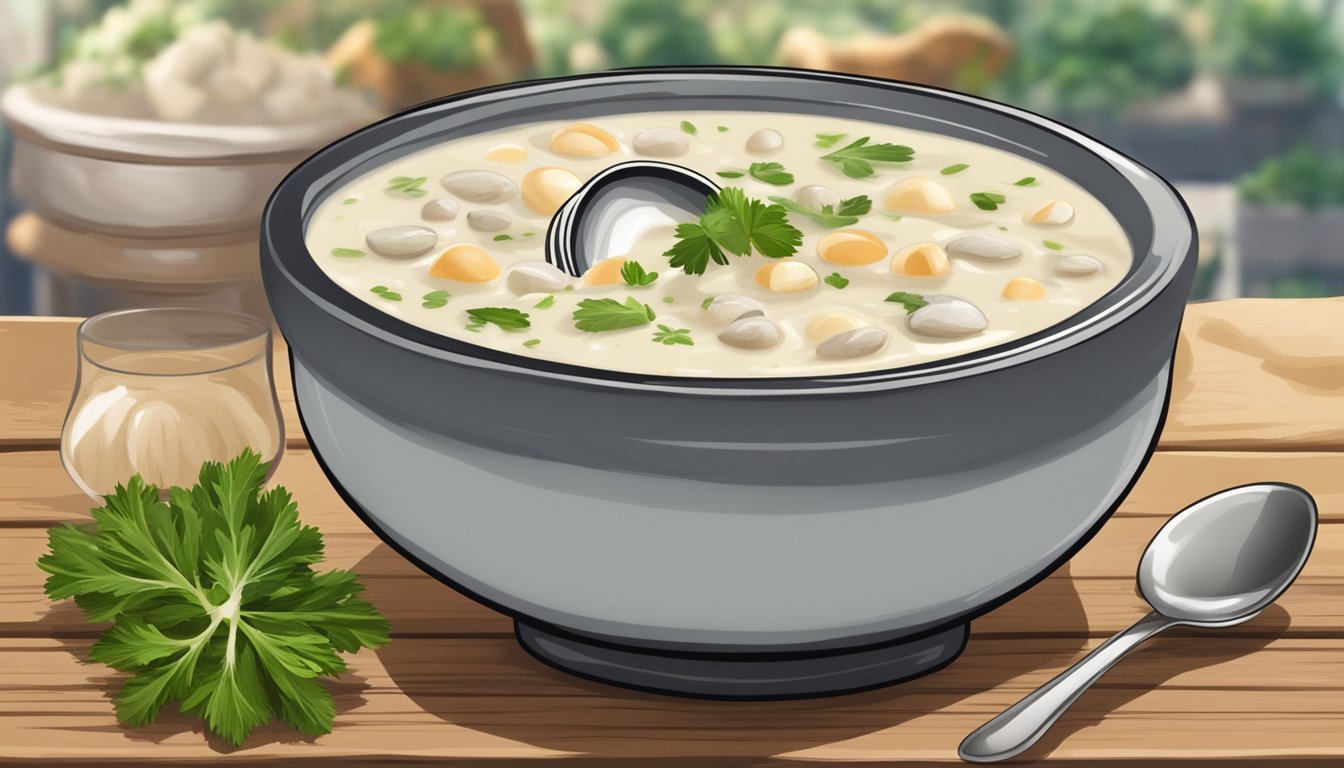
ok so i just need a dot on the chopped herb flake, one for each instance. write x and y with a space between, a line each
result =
669 300
689 127
596 315
545 303
670 336
531 343
435 299
828 140
346 253
856 159
501 238
771 173
633 273
705 304
1025 181
507 318
911 301
836 280
954 168
987 201
723 129
848 213
730 174
350 201
1052 245
386 293
407 186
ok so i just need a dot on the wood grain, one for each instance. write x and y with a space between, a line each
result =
1251 374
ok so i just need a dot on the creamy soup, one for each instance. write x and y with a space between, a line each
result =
850 246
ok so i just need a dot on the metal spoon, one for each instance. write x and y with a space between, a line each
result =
1218 562
606 215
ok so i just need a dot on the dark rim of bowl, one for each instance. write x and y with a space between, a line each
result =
283 229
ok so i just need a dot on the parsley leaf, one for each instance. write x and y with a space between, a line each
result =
856 159
689 127
531 343
385 292
1052 245
730 174
771 173
987 201
407 185
501 238
435 299
848 213
836 280
954 168
350 201
670 336
734 223
1025 181
214 601
828 140
633 273
346 253
546 302
723 129
911 301
595 315
507 318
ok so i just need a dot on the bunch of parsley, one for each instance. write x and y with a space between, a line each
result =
214 601
733 223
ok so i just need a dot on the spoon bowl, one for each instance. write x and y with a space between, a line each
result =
1216 563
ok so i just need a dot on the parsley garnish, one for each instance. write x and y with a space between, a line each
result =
689 127
595 315
954 168
987 201
836 280
856 159
734 223
1025 181
501 238
350 201
633 273
435 299
1052 245
771 173
828 140
507 318
669 300
911 301
214 601
346 253
848 213
671 336
730 174
723 129
531 343
705 304
386 293
407 186
546 302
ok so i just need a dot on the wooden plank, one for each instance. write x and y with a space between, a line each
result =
1093 596
1251 374
39 375
1195 699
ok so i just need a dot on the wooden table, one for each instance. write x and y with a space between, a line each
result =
1258 395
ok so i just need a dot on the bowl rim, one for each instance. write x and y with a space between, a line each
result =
286 213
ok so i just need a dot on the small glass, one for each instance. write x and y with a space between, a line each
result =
161 391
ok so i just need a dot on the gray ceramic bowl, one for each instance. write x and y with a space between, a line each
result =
735 538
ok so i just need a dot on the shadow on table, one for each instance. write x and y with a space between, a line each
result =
346 690
1162 658
491 685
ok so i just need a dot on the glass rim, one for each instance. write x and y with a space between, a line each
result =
246 328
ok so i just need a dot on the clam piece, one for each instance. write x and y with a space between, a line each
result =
442 209
983 248
547 188
583 140
1054 213
786 276
608 214
536 277
919 195
816 197
727 307
479 186
765 140
1078 265
403 242
947 317
859 342
488 221
751 333
661 142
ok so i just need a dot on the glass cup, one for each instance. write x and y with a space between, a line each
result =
161 391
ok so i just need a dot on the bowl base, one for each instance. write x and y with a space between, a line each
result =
745 675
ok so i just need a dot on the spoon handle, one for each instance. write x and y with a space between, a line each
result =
1022 724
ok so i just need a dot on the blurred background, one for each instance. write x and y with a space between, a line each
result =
1238 102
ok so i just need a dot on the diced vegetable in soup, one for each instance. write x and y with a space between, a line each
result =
835 246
